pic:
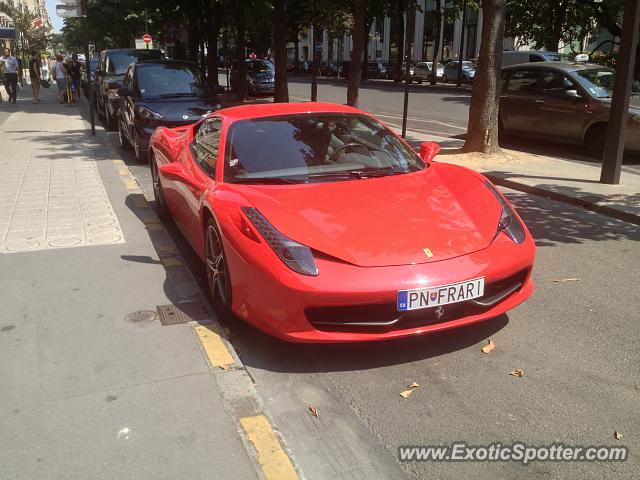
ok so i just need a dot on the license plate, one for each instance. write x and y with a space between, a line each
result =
440 295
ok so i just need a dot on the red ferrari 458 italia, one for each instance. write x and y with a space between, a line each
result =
316 223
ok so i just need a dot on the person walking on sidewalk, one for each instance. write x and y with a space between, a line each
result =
75 74
35 76
60 76
11 67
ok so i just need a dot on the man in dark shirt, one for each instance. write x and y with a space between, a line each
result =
75 73
34 74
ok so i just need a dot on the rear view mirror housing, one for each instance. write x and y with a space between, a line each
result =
428 151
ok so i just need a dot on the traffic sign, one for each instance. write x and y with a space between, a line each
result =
146 38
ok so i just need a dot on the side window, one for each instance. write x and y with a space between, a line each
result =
523 81
128 81
111 68
504 78
556 84
536 57
205 145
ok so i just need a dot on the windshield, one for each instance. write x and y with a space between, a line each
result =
599 82
166 80
118 62
438 66
305 148
259 66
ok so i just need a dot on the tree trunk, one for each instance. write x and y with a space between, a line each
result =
437 20
280 51
559 17
482 134
399 32
353 81
241 83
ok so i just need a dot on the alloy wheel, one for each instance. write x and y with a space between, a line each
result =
217 278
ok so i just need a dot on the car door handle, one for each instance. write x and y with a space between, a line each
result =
539 101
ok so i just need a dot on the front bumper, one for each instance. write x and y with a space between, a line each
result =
305 309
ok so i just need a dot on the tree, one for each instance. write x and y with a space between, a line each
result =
281 93
482 134
240 20
437 23
374 9
30 38
353 80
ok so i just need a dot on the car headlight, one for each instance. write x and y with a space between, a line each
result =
509 222
148 114
296 256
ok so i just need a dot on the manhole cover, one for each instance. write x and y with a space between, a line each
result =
141 317
182 313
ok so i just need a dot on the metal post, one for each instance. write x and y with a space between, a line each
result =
407 70
614 143
314 67
87 65
464 28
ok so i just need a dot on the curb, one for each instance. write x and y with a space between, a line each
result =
567 199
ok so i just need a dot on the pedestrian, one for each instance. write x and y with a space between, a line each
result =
52 68
11 67
74 73
35 76
60 76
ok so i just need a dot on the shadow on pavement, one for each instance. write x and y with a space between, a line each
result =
569 225
259 350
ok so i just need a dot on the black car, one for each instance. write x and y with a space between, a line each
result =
376 70
167 93
93 66
260 76
111 69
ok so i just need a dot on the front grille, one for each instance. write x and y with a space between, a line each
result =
380 318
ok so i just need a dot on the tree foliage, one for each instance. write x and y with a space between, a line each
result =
30 38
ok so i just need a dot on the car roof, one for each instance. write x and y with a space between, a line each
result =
562 66
118 50
246 112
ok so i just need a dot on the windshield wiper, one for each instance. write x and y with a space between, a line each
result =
361 173
268 180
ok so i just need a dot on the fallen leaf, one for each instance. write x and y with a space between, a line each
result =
223 366
517 373
488 348
436 364
617 435
314 411
414 385
406 393
565 280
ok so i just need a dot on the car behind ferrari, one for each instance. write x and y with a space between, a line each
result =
316 223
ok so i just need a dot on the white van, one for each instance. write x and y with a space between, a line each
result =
527 56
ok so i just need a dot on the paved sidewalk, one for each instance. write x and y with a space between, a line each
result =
569 182
88 390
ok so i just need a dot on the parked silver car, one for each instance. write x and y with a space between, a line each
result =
451 72
422 71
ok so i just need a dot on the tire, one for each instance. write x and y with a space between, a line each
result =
465 80
122 139
419 79
594 140
217 272
141 155
109 120
158 194
445 79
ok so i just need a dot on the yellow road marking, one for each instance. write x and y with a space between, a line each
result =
213 346
275 463
123 172
172 262
131 185
167 248
118 162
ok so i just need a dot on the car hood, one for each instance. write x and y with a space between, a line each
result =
182 109
385 221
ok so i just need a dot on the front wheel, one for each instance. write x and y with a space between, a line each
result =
217 271
141 154
445 79
594 140
122 139
158 193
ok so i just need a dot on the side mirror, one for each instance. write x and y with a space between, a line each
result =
428 150
572 94
124 92
176 171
